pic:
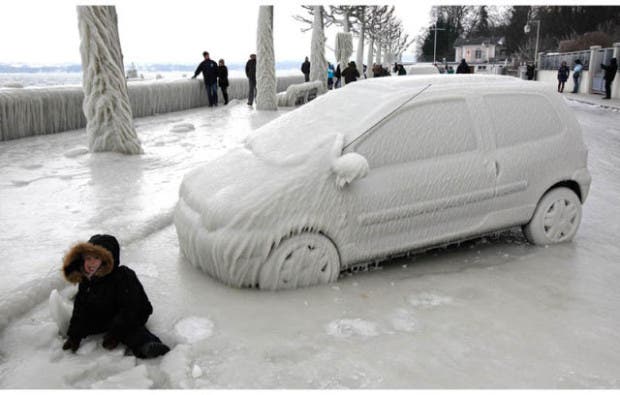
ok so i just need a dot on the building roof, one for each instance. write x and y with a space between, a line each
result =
478 41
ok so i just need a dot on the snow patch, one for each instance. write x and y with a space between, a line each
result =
403 321
136 378
346 327
182 128
61 310
196 371
194 329
77 151
428 300
175 366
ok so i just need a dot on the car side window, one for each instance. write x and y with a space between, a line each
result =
420 132
519 118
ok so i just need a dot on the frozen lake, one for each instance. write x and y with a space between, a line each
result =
495 312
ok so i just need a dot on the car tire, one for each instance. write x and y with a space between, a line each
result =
556 218
300 261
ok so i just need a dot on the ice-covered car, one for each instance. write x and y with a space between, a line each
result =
383 167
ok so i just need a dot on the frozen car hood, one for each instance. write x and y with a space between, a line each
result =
226 189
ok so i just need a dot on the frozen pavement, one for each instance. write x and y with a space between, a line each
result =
492 313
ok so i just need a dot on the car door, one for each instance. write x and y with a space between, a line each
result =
429 180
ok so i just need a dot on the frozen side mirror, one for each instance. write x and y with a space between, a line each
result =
349 167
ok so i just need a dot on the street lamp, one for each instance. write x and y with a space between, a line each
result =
527 29
435 42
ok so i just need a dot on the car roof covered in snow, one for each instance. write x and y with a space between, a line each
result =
358 106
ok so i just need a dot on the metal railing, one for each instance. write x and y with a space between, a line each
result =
553 61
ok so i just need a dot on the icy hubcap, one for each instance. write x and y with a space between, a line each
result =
560 219
301 261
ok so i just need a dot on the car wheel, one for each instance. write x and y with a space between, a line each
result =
555 219
300 261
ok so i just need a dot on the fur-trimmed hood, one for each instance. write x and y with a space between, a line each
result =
105 247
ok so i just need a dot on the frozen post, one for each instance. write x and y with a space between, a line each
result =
106 105
344 49
265 61
318 64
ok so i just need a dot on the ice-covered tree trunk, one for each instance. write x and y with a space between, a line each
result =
369 62
378 59
106 103
318 63
343 50
389 56
360 49
266 98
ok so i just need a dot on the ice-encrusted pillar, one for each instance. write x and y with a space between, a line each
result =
343 50
318 64
265 61
106 102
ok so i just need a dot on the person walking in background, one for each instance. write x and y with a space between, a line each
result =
222 79
610 74
577 75
563 73
401 70
209 73
463 67
305 68
338 76
350 73
530 68
330 76
250 72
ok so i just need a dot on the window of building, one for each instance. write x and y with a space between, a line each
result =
478 54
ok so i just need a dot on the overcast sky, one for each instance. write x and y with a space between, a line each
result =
170 31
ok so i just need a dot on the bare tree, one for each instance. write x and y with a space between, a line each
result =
106 105
265 61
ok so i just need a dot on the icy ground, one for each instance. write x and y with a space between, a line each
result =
492 313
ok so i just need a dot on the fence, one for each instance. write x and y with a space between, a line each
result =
553 61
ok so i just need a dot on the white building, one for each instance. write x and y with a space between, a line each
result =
479 49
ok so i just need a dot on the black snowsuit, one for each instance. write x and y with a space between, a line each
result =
112 301
222 81
610 74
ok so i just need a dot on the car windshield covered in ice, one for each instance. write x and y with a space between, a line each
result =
380 168
347 112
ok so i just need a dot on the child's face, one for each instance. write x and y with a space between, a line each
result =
91 264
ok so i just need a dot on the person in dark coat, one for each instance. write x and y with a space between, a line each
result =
222 79
110 299
350 73
305 68
529 71
401 70
610 74
463 67
209 72
563 72
338 76
250 72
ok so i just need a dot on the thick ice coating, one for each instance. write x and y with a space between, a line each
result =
372 170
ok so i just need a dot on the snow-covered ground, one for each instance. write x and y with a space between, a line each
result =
492 313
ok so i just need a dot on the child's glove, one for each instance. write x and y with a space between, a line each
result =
71 344
109 342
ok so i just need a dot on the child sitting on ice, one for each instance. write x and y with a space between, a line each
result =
110 299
